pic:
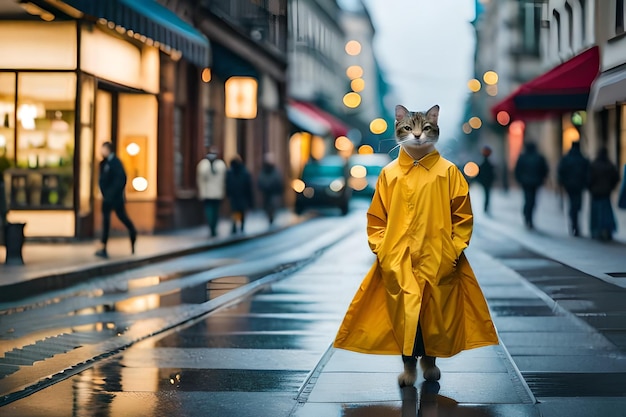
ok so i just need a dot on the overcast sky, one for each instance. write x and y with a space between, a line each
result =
425 48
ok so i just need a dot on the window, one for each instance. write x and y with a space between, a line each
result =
570 25
619 17
42 176
530 20
557 25
583 20
7 117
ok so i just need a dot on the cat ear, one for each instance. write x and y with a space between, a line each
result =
401 112
432 115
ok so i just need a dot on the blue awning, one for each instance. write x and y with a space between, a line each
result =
150 19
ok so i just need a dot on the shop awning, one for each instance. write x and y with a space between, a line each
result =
150 19
609 88
564 88
336 126
306 121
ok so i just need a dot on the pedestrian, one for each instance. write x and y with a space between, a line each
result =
603 178
112 182
271 185
531 171
621 202
420 298
486 176
572 174
211 181
239 191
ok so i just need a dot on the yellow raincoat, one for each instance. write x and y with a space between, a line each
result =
419 223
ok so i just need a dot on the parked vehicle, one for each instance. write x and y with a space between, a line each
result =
364 172
323 184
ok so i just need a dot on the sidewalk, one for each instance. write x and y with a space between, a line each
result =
57 265
606 261
479 382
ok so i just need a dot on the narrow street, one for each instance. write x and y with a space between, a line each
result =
245 330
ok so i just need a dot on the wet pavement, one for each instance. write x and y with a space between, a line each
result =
265 352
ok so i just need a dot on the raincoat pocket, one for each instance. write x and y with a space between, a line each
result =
447 267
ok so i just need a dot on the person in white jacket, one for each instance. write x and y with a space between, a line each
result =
211 181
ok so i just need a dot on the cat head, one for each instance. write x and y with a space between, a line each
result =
417 130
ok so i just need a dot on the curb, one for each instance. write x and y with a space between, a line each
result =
64 279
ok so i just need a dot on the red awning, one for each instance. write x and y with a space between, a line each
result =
337 127
565 88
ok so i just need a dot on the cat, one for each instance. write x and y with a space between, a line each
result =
417 132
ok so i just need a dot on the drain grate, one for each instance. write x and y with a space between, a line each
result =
546 384
617 274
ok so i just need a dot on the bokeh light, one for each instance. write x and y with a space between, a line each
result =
354 71
357 184
308 192
471 169
378 126
298 185
490 77
467 129
366 150
503 118
337 185
357 85
492 90
206 75
140 184
353 48
342 143
352 100
358 171
475 122
474 85
132 149
517 127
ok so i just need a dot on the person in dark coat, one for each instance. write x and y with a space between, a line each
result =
602 180
112 182
486 175
531 171
239 192
572 174
271 185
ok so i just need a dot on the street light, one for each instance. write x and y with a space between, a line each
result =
474 85
352 100
490 77
241 97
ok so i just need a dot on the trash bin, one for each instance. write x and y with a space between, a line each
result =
14 240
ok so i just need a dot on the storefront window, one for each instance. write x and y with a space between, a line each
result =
43 176
7 116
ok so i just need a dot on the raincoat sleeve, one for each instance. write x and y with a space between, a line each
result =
377 215
461 208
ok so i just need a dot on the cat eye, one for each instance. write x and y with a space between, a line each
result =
427 128
408 128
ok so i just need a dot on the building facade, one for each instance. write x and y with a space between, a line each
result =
76 74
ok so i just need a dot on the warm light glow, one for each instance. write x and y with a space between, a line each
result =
475 122
318 148
366 150
358 171
378 126
241 97
357 85
467 129
26 114
337 185
206 75
342 143
352 100
140 184
517 127
474 85
353 48
298 185
3 141
354 71
492 90
571 134
133 149
471 169
357 184
503 118
490 78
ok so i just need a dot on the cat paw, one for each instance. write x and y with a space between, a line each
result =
431 372
407 378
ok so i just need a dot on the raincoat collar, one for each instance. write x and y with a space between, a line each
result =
428 161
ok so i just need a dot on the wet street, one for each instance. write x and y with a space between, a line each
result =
245 330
